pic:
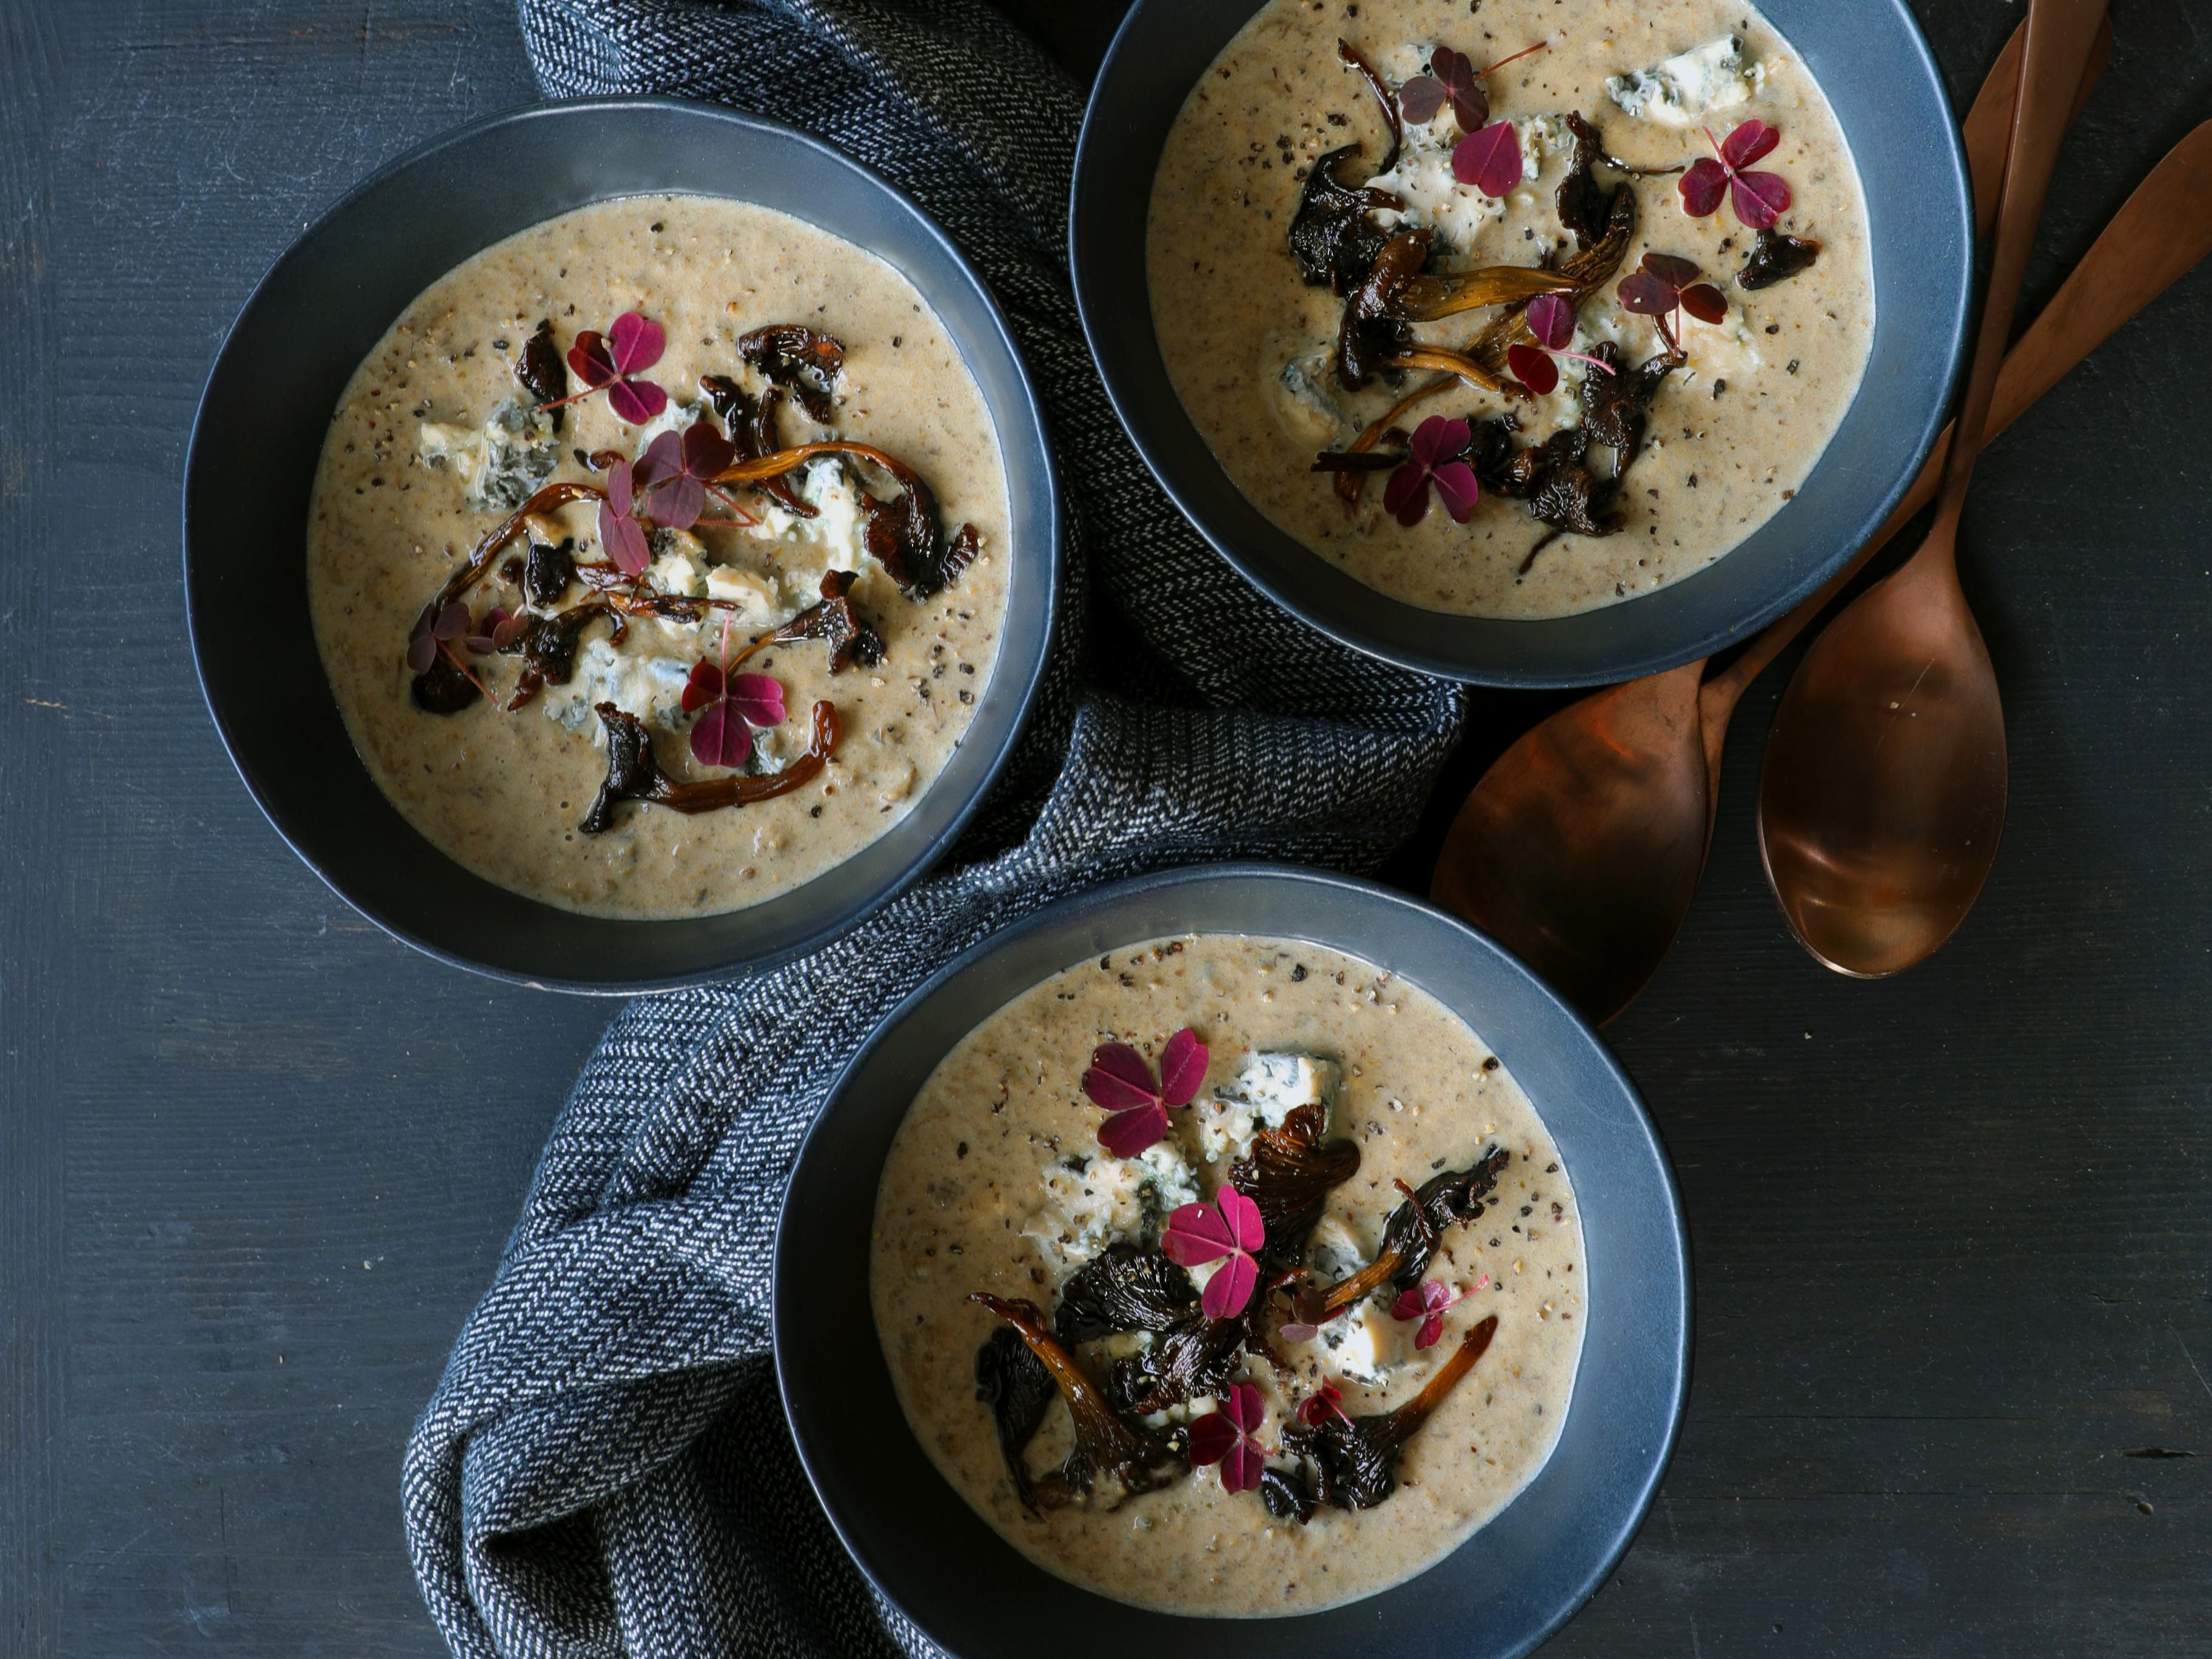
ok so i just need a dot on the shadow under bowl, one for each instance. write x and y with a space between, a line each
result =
1872 63
258 435
1500 1593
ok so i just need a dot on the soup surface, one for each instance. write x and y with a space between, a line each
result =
1738 419
436 441
997 1181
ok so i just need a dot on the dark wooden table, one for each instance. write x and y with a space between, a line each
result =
1954 1237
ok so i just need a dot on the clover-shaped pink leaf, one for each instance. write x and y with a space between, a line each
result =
1551 319
1438 449
758 697
621 535
499 630
1490 159
720 737
673 474
1759 198
438 625
1426 1301
632 344
1120 1080
1228 1435
1228 1231
1666 283
1452 79
1327 1400
733 704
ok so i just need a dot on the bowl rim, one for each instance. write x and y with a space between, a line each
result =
1093 146
1049 556
1103 902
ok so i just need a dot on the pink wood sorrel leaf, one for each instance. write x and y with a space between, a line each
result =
1552 320
1533 368
499 630
667 494
635 401
1125 1134
1183 1068
619 534
1458 489
1750 142
1759 198
1489 159
1119 1080
1323 1403
1227 1435
632 345
1702 186
1426 1301
434 628
635 342
706 452
720 737
1645 295
673 473
1421 97
1228 1231
1436 447
758 697
1451 79
1118 1077
1667 281
704 686
1704 302
734 704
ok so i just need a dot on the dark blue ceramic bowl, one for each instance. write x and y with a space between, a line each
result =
259 433
1871 60
1499 1594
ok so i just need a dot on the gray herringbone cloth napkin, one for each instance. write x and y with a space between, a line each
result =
604 1467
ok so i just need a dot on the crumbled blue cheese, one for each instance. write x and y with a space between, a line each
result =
1305 400
756 596
648 686
500 465
1335 1249
1422 178
1687 88
1367 1345
1268 1090
1093 1201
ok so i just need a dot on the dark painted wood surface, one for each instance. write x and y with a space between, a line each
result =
1953 1236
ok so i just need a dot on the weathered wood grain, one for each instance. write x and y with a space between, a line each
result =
1953 1233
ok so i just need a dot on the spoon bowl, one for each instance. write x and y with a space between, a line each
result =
1885 785
1583 855
1885 789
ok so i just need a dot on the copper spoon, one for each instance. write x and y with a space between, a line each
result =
1884 790
1582 845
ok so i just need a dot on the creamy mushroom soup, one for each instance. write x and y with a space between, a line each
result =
658 557
1281 1278
1328 296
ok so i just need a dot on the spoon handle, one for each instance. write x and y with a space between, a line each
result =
2161 231
1988 126
2060 35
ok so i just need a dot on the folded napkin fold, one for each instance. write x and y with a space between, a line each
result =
604 1467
